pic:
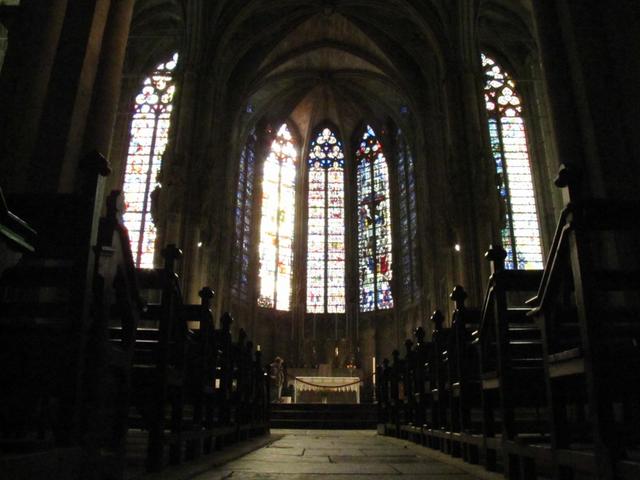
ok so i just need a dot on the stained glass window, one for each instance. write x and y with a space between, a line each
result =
408 218
243 217
326 249
374 225
276 225
521 235
149 136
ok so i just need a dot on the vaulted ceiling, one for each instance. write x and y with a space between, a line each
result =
342 61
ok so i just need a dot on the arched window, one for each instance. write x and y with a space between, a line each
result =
408 219
509 146
276 225
326 250
374 225
149 134
4 43
244 217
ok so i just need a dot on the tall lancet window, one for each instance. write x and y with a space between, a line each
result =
149 135
408 219
244 217
374 225
521 235
276 224
326 250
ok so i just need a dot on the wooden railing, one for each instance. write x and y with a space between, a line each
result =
95 350
546 387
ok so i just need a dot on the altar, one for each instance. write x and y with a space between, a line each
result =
314 389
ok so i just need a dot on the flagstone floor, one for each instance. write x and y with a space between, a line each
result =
337 454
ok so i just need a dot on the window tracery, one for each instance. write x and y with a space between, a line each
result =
150 125
374 225
326 226
244 217
277 222
521 235
408 218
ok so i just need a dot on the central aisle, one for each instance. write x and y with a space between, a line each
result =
336 454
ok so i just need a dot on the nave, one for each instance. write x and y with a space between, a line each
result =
341 455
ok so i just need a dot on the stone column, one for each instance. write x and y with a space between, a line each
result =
34 35
476 202
589 54
104 104
58 143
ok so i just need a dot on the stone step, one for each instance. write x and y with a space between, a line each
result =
330 416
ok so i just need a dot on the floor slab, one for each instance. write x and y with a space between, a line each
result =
335 455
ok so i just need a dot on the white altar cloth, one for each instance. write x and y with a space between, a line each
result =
316 384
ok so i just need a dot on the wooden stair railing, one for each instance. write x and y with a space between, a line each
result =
512 365
588 307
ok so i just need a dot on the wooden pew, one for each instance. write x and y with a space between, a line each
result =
422 382
464 379
512 370
16 236
160 361
437 433
382 394
46 325
588 307
410 428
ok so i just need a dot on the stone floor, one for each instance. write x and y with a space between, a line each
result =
338 454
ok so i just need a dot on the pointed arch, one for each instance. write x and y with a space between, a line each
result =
408 218
277 222
374 224
521 234
149 129
326 224
244 217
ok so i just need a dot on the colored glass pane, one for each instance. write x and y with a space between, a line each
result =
521 234
325 225
276 224
408 218
149 135
243 217
374 225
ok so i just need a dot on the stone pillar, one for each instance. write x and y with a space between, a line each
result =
104 105
24 85
58 144
589 54
471 165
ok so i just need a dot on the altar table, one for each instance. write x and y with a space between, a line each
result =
326 390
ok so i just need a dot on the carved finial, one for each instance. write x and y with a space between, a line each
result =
242 336
96 162
171 253
496 255
226 320
206 294
408 344
420 334
458 295
566 176
438 321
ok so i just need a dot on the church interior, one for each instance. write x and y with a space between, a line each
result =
221 218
